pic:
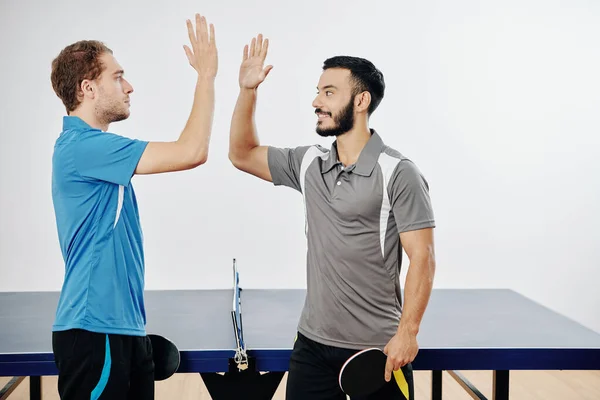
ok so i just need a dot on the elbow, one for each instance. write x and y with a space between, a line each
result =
235 160
200 158
198 163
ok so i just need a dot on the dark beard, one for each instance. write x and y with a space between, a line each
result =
344 121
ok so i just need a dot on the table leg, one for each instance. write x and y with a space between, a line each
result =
501 385
436 385
10 387
468 386
35 387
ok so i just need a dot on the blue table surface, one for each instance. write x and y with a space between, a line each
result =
201 320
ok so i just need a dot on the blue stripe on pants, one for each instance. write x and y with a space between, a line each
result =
105 373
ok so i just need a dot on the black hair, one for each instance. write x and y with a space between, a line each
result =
365 75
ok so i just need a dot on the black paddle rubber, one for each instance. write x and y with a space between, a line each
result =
363 373
166 357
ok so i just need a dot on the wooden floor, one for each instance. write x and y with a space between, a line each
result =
524 385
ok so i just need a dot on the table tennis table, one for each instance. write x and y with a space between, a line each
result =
463 329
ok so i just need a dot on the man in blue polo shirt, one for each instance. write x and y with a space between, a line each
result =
99 339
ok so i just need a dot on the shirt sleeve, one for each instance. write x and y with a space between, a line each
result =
285 164
409 198
108 157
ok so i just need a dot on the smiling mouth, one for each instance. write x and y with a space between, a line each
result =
322 115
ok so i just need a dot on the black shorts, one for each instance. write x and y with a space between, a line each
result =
314 374
100 366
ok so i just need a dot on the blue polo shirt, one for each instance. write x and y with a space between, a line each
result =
99 230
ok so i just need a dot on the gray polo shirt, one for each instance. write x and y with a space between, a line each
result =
353 219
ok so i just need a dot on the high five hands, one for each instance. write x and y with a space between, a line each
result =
203 57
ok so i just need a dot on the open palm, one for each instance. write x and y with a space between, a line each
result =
252 72
203 52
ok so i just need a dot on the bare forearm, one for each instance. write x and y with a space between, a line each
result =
419 283
243 136
245 152
196 134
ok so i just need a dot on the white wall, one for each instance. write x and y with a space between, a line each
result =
497 102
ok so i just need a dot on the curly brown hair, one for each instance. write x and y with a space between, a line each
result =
76 62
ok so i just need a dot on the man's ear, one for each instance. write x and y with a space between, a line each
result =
362 101
87 89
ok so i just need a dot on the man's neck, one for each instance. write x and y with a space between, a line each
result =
351 143
89 117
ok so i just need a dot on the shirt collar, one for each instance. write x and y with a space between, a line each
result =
366 160
74 122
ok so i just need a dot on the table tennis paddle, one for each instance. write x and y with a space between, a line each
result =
364 373
165 355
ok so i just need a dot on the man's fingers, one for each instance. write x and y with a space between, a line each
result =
265 49
402 361
245 53
266 71
191 34
204 30
259 45
252 46
200 29
213 40
188 53
263 74
198 33
389 367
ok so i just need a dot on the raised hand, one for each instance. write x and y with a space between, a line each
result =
252 72
203 53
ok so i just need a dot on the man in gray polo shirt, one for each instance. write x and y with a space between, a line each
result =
364 202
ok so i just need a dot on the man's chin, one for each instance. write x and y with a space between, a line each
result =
121 117
329 132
